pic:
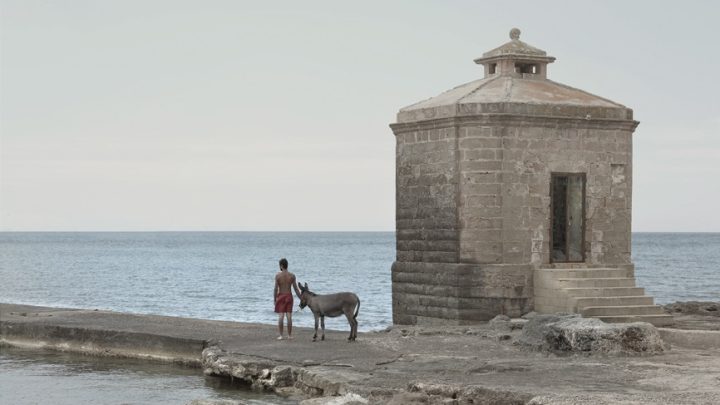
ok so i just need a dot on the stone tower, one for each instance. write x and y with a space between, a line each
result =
514 194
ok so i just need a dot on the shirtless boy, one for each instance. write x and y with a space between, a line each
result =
283 296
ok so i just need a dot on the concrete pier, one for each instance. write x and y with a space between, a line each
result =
402 365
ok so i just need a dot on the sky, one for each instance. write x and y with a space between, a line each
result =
232 115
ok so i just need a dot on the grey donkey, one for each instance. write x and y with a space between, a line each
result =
331 305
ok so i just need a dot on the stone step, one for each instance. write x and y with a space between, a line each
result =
657 320
596 282
604 292
579 303
624 310
587 273
573 266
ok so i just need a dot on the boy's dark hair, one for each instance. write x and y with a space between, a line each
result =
283 263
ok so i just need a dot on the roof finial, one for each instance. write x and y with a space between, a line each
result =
514 33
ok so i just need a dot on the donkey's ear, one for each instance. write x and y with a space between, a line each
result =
301 287
306 287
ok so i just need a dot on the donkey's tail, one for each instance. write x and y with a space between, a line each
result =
357 308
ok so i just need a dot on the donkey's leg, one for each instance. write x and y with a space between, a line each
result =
316 326
322 323
350 320
355 326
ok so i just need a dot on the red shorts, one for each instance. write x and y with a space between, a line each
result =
284 303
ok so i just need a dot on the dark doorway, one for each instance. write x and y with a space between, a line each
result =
568 217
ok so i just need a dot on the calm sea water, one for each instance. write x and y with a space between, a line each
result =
229 275
678 266
215 275
44 377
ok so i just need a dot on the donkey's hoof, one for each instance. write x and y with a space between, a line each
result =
322 338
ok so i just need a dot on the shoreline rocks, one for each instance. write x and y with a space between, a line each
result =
571 333
704 308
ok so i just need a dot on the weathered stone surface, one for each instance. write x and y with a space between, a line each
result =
215 402
704 308
690 398
347 399
455 293
695 339
501 323
450 393
282 376
574 334
327 381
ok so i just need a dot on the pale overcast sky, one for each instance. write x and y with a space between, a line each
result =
269 115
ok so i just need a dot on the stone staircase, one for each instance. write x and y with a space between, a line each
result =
609 294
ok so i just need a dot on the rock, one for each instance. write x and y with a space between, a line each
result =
500 318
214 363
500 323
443 390
482 395
535 330
259 374
529 315
282 376
446 393
706 308
214 402
407 398
347 399
326 381
573 334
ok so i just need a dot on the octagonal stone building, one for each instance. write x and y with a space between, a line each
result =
513 194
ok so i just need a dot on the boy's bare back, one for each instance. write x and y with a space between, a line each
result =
285 281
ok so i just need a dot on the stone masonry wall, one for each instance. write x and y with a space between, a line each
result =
481 194
426 191
453 293
426 225
473 210
505 190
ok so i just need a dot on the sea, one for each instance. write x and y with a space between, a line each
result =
230 276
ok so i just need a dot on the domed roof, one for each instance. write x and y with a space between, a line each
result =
515 83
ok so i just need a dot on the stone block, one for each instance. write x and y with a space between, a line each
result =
478 132
483 201
469 189
480 166
480 143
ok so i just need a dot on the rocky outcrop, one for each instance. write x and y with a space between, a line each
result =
266 375
448 393
705 308
258 374
574 334
347 399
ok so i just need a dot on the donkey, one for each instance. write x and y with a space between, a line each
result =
331 305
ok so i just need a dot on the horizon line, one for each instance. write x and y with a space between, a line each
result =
253 231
